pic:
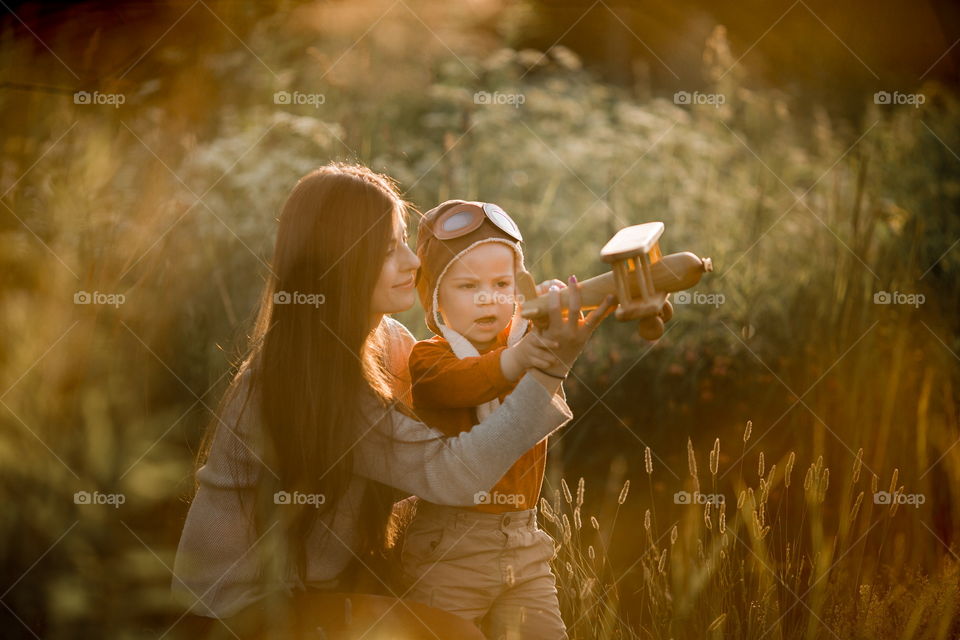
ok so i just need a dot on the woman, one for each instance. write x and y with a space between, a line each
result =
310 448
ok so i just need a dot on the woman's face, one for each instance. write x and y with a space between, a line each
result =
395 290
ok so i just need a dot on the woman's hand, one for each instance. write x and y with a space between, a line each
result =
571 333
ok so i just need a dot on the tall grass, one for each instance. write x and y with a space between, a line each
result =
793 556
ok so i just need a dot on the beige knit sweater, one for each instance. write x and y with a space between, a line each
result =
216 568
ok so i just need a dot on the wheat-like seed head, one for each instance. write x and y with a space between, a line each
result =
594 523
581 485
576 519
623 492
747 431
673 535
893 481
790 461
566 491
760 465
661 566
856 507
646 520
857 463
691 459
648 460
548 511
718 622
895 501
715 457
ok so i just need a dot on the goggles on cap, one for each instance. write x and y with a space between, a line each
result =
461 219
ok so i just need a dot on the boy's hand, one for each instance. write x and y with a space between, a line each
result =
544 286
532 351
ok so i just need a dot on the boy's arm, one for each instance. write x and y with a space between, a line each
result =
442 380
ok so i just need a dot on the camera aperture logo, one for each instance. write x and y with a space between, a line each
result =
296 297
95 97
96 498
485 497
296 497
297 97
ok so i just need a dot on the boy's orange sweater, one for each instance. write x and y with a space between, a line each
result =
446 391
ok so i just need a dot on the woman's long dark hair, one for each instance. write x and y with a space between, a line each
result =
314 360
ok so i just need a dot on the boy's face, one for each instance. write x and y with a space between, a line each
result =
477 292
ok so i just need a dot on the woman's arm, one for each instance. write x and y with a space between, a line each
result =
410 456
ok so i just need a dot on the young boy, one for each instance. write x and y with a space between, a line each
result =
488 563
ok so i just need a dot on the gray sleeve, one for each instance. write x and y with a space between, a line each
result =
407 454
216 565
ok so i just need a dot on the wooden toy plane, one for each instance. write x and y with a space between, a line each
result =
641 278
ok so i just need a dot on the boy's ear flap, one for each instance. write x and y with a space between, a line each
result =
526 285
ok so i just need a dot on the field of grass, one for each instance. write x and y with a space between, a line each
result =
134 240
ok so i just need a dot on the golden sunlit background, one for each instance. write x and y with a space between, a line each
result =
782 463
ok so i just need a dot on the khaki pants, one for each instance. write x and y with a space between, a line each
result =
492 569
